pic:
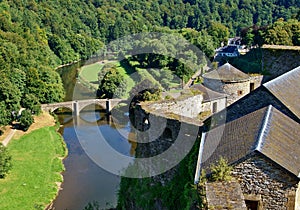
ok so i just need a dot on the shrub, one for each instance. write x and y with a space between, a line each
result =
26 120
5 161
221 171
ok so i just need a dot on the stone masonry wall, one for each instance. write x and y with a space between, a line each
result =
235 91
232 89
260 176
257 80
188 107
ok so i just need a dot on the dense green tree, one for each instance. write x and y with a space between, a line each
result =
219 33
112 85
25 120
5 115
10 94
5 161
31 102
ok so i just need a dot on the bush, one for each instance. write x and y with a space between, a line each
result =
5 161
221 171
26 120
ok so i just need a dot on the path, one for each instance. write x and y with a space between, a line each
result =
9 137
197 73
11 132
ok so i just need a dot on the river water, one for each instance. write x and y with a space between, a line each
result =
84 181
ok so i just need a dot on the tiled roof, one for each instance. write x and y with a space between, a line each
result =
286 89
227 73
266 131
208 94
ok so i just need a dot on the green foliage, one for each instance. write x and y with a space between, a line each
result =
112 84
25 120
279 33
251 62
5 161
30 102
283 33
221 171
178 193
37 36
219 33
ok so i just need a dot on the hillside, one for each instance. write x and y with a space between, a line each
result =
37 36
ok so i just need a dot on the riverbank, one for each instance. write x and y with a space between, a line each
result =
35 178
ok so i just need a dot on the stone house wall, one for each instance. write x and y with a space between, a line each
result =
261 177
234 90
208 106
256 80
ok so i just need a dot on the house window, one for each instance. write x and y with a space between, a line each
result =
252 205
240 92
215 107
251 86
253 202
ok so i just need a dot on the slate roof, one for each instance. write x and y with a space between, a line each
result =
227 73
208 94
267 131
228 49
286 89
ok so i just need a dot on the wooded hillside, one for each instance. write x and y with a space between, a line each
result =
37 35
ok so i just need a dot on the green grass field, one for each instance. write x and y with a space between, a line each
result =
89 76
31 184
89 73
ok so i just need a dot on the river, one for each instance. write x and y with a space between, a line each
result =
84 181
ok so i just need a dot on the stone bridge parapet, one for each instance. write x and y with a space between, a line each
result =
77 105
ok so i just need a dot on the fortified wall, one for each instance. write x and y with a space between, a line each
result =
160 134
186 106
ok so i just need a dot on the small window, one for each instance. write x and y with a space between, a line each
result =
240 92
215 107
251 86
252 205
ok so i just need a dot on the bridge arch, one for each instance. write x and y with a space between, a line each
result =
77 106
90 105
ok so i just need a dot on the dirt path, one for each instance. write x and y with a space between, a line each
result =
44 119
9 137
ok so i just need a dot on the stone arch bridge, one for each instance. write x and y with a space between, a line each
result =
77 105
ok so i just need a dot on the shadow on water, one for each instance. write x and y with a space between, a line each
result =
85 183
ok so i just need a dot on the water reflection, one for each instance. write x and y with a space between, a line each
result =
84 181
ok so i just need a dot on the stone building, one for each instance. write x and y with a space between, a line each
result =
261 140
263 148
229 80
212 101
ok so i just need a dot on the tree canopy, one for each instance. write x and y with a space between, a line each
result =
38 36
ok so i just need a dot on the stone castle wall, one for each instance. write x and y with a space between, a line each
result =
188 107
257 80
259 176
234 90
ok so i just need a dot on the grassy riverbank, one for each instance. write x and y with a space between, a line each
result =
34 180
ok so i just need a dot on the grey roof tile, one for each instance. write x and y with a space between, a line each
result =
286 88
266 130
227 73
208 94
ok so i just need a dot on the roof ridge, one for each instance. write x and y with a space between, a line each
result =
281 76
264 128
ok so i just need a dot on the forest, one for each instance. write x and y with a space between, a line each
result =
37 36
